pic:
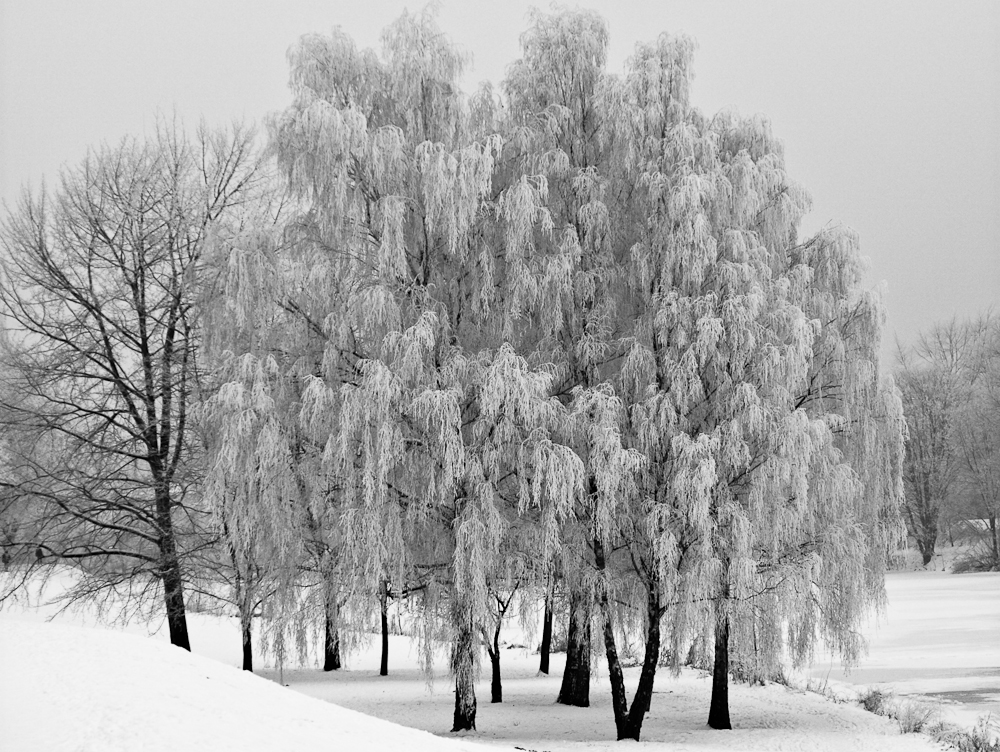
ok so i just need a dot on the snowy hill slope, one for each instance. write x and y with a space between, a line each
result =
90 690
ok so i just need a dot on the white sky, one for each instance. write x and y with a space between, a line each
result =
889 111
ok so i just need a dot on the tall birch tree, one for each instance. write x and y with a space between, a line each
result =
431 430
554 130
754 502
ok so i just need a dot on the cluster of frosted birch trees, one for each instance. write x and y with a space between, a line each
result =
560 336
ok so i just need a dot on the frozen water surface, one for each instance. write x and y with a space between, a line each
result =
938 640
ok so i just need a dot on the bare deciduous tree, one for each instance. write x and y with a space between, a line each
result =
99 290
935 378
950 381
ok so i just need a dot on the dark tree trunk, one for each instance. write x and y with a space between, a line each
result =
926 551
173 592
496 688
331 647
628 721
619 701
929 513
996 540
643 698
921 513
493 650
546 647
247 648
575 688
240 597
463 665
718 713
383 669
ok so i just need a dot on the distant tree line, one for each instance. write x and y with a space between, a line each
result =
950 385
558 343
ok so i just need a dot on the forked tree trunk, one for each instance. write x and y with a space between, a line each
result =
463 665
718 713
575 688
383 669
247 648
546 647
331 646
493 650
628 721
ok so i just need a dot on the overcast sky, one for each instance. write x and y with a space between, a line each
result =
889 111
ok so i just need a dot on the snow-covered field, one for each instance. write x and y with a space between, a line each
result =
64 686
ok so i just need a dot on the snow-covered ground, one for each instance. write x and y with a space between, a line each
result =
90 690
764 718
64 686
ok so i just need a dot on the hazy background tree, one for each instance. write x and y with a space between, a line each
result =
100 356
949 381
936 377
977 434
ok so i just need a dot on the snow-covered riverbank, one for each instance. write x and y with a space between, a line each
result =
65 686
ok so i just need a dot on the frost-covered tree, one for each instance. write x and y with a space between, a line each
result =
555 129
430 431
253 488
101 280
575 319
272 502
754 505
830 554
699 346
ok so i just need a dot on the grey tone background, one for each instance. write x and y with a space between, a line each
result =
889 111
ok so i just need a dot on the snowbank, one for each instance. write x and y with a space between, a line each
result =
90 690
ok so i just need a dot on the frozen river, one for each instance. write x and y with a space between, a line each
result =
939 641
